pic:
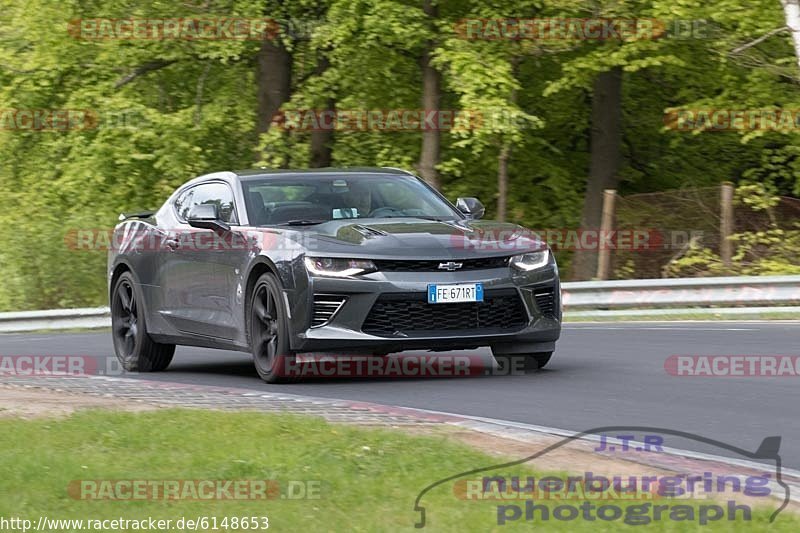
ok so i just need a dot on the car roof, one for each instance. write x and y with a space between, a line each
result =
264 172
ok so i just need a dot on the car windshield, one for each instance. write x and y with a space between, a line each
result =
310 199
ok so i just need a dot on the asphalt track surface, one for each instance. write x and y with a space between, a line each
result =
602 374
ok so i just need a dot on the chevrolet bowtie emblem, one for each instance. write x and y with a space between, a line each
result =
450 265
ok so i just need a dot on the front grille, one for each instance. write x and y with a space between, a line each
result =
325 306
501 310
545 301
428 265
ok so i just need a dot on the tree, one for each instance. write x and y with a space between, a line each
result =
431 102
172 109
606 152
791 10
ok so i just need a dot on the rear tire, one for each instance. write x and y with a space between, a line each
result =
525 362
542 358
269 332
135 350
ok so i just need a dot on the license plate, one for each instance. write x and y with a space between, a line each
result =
445 294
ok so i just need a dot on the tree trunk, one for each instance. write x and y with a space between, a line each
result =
502 181
274 82
606 141
322 139
791 11
431 95
503 157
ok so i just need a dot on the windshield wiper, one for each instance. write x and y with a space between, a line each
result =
301 222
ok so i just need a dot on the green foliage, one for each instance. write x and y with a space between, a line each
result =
761 253
768 252
169 110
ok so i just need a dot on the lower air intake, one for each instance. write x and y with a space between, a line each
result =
325 307
545 301
502 310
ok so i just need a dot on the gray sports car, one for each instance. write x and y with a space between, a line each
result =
340 261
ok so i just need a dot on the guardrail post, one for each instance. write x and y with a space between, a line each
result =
726 224
606 227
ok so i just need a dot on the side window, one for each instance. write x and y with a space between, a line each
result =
207 193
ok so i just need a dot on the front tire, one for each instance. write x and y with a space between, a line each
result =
526 362
135 350
269 332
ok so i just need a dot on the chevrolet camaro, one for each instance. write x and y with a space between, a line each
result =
365 261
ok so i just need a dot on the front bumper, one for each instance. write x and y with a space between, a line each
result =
345 334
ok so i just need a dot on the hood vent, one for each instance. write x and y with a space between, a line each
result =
366 231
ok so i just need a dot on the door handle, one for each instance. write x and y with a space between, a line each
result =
171 243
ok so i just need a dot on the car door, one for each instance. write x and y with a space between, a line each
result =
196 281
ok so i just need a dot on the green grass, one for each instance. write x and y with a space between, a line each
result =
369 479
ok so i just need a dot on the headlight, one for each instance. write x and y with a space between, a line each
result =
338 268
531 261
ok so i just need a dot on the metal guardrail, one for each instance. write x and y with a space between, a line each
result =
724 295
732 296
94 317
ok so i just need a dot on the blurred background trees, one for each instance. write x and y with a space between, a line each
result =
563 119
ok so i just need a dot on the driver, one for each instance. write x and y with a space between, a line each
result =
358 197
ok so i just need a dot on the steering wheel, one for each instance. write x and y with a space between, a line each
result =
383 211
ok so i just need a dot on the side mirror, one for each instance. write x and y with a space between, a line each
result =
206 216
472 207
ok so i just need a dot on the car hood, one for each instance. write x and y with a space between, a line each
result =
415 238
